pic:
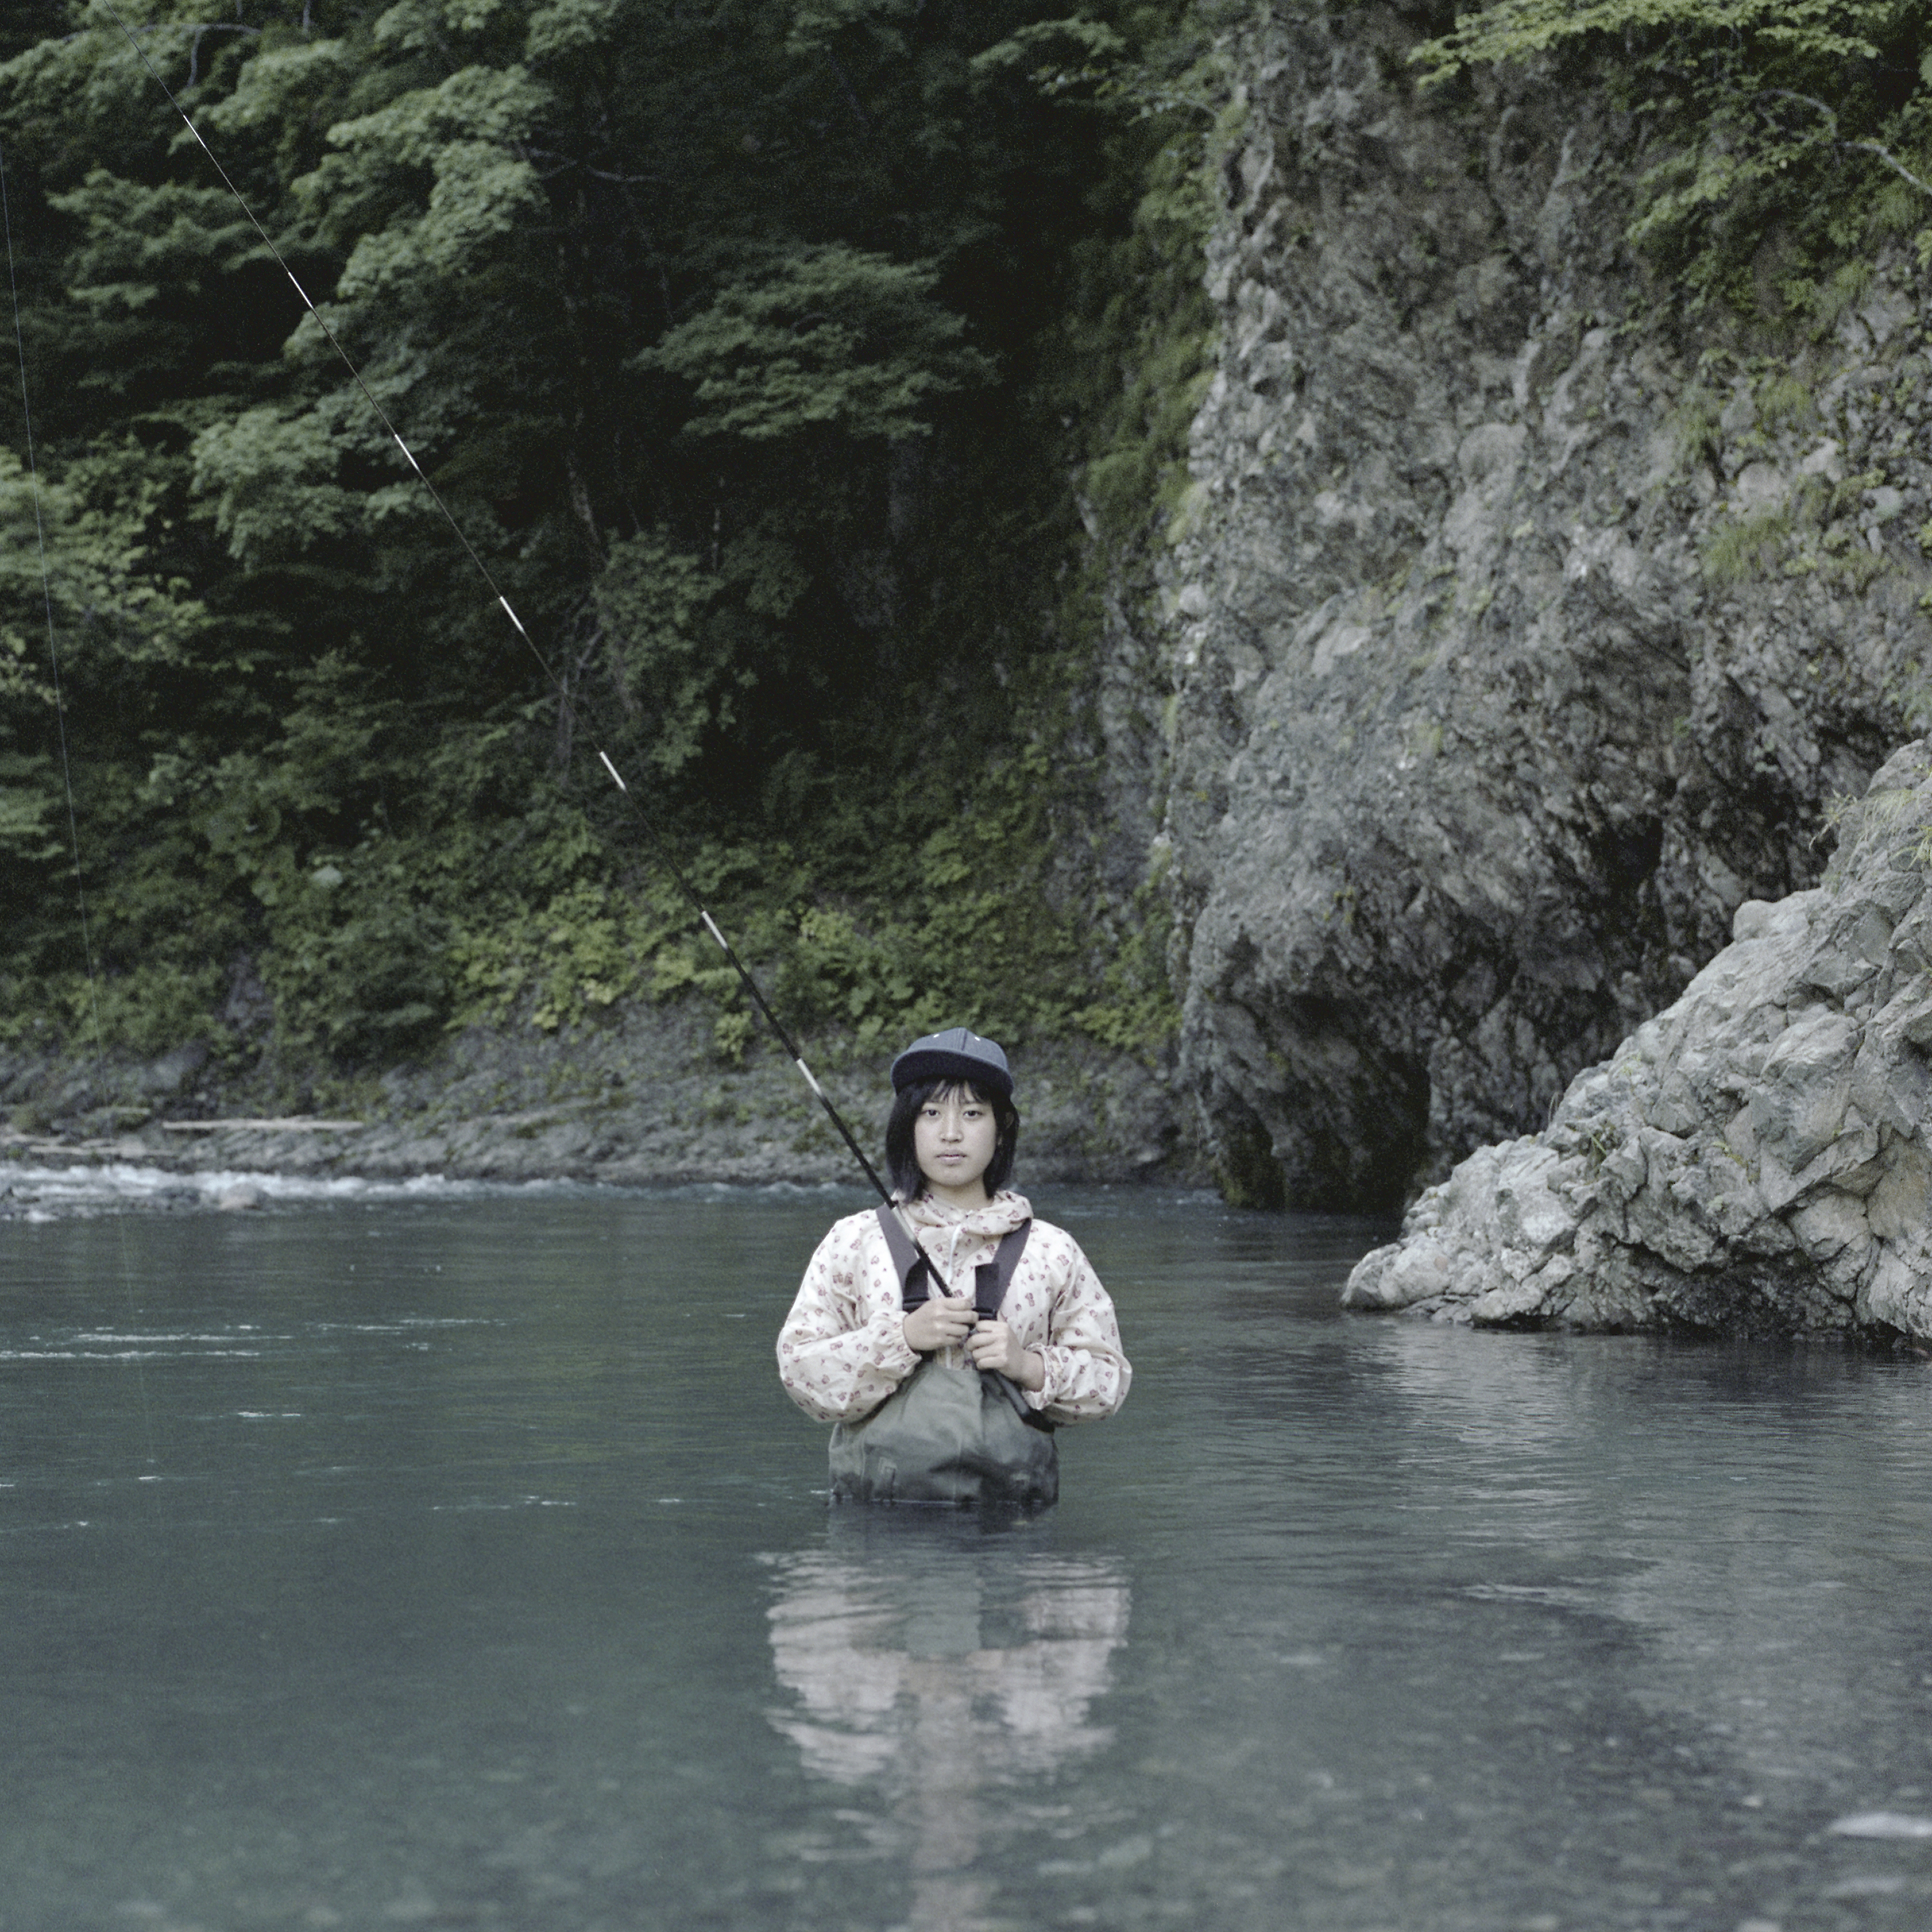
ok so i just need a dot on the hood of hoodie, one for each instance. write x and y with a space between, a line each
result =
942 1227
1000 1216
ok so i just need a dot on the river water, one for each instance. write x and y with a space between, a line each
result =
451 1558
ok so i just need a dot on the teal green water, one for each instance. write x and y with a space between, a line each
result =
459 1562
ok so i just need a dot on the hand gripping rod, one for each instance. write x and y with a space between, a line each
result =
656 844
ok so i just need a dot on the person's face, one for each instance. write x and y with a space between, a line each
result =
953 1141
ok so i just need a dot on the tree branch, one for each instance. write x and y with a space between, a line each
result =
188 27
850 94
1884 154
1785 93
1891 161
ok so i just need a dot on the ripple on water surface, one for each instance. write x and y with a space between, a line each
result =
451 1556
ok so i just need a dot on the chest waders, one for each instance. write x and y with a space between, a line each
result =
948 1434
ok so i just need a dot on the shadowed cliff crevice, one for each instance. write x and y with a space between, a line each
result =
1753 1161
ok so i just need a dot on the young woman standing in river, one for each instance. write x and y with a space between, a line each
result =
958 1355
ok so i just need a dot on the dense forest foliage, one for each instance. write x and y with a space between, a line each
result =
796 366
1784 136
809 372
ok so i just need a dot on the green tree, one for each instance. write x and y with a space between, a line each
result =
1800 126
755 349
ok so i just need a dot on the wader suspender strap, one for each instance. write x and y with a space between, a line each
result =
913 1266
910 1261
991 1280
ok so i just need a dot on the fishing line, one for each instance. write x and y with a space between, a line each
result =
659 850
66 773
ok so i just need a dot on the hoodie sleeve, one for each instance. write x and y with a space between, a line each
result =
842 1350
1088 1373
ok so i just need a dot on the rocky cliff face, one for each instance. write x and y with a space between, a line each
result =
1759 1156
1511 652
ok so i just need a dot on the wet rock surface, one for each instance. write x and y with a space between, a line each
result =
1512 649
1758 1157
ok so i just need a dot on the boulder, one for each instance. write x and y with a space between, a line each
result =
1757 1158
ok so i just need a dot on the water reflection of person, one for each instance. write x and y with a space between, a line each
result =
936 1669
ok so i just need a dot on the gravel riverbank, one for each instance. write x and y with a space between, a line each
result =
644 1100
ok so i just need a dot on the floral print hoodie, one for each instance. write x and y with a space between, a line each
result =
842 1350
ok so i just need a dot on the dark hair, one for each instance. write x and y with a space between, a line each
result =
904 1161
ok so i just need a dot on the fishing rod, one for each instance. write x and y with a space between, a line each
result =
652 837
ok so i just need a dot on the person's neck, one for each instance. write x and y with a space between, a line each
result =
964 1198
